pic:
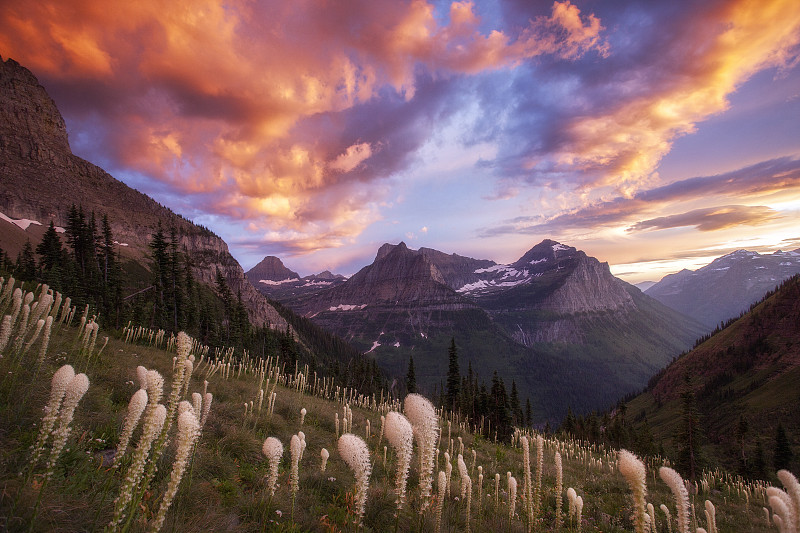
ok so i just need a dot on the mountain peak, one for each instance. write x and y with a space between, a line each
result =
270 268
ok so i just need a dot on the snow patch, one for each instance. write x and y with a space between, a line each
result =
347 307
537 261
558 246
396 344
494 268
281 282
469 287
314 283
118 243
23 223
375 344
423 335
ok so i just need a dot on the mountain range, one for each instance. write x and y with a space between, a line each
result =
727 286
276 281
552 322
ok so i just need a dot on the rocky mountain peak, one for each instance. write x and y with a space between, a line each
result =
545 251
270 268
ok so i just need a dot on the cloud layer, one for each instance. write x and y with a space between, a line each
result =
298 120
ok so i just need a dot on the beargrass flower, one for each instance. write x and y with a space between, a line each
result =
355 453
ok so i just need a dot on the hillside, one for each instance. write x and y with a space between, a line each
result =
551 323
226 484
749 369
727 286
40 179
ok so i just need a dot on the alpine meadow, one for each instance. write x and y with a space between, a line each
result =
400 266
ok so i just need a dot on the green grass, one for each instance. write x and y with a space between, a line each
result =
224 488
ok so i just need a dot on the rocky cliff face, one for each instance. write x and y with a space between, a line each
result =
40 179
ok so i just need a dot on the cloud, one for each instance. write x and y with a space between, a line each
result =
711 218
607 124
755 181
273 111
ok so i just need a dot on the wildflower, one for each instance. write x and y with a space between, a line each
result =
302 415
295 449
323 453
207 399
559 489
665 510
153 423
578 511
5 331
273 451
77 387
442 483
793 489
135 409
401 436
48 325
188 432
141 375
58 387
634 472
681 495
512 496
355 453
197 403
425 424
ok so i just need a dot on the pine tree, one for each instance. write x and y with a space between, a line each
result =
528 415
516 407
411 378
783 451
51 254
689 434
453 377
26 263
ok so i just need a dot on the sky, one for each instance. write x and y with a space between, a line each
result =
652 135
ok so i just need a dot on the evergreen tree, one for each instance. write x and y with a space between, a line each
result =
689 434
26 263
528 415
516 407
411 378
453 377
51 255
783 451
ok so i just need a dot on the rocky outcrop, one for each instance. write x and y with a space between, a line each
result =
40 179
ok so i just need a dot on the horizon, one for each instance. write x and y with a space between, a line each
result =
653 137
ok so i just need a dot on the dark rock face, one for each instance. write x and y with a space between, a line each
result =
270 268
727 286
40 179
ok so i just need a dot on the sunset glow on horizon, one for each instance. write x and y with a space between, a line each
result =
655 136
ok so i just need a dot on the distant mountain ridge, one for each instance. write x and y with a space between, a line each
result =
555 321
40 178
271 277
727 286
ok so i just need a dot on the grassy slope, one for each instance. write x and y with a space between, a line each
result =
225 490
751 368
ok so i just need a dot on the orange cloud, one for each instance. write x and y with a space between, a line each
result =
714 53
215 97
